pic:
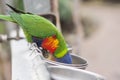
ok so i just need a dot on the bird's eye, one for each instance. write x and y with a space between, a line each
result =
48 55
45 53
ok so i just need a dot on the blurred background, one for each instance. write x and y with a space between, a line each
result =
91 27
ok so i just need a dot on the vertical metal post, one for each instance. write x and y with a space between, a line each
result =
54 9
5 54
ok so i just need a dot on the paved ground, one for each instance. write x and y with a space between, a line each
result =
102 50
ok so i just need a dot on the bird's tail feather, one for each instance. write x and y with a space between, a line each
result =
17 10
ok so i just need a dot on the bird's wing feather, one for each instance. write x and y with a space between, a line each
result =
39 26
34 25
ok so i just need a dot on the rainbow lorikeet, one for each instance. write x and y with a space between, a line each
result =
41 31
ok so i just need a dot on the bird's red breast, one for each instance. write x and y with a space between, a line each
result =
50 44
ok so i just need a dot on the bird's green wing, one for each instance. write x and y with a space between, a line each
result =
34 25
39 26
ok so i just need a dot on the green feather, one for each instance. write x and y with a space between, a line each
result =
6 17
34 25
